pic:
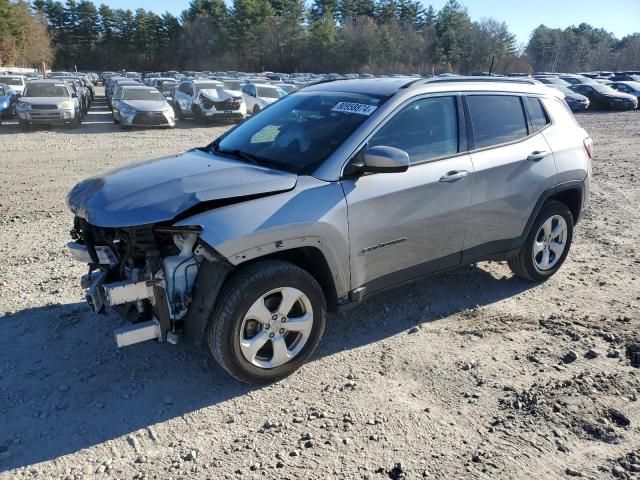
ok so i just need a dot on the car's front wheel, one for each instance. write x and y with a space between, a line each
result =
269 321
547 244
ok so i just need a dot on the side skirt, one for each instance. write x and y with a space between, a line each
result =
497 250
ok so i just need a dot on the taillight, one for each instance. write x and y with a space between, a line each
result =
588 146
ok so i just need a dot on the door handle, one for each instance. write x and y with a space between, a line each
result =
537 155
454 176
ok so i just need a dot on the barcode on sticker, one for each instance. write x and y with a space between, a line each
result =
359 108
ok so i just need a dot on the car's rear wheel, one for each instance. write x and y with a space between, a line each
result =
269 321
547 244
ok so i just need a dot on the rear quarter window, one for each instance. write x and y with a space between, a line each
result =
539 117
497 119
559 111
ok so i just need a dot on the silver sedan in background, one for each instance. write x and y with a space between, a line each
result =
142 106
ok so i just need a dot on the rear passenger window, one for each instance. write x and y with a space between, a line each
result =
539 117
426 129
497 119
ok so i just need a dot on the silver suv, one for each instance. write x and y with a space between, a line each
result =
331 194
48 102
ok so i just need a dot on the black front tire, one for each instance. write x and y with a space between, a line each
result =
235 299
523 264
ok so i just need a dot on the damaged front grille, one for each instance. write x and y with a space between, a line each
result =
229 104
146 273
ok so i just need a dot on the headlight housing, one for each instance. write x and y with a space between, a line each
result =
68 105
126 109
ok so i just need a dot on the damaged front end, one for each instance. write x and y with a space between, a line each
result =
146 273
220 104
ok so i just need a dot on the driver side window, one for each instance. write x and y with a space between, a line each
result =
426 129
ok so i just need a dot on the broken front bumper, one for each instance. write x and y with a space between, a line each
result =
100 295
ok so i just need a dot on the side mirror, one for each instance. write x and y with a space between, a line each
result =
74 95
383 159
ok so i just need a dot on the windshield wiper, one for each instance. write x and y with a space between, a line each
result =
239 154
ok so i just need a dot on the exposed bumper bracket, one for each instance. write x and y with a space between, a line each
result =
138 332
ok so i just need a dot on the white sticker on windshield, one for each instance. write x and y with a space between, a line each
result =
59 84
359 108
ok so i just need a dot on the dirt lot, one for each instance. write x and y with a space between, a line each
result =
474 374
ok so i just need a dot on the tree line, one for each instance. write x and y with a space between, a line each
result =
24 37
376 36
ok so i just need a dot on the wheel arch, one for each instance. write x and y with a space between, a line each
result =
572 198
570 193
213 276
310 259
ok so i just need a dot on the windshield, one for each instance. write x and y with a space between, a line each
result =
233 85
11 80
634 85
598 87
271 92
208 86
46 90
564 89
288 88
166 87
300 131
141 94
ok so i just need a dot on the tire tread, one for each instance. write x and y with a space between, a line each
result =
231 294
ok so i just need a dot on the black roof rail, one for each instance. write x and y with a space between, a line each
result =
412 82
487 79
327 80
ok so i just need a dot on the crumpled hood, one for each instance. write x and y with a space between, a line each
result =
219 95
159 190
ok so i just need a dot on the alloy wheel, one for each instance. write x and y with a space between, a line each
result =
276 327
550 243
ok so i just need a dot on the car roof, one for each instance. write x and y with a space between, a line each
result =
138 87
390 86
48 80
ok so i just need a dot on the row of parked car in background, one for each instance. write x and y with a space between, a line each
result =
135 101
60 98
158 99
596 90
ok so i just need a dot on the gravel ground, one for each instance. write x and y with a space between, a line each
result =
472 374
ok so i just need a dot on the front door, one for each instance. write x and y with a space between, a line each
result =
404 225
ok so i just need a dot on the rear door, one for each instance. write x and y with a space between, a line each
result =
404 225
513 165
